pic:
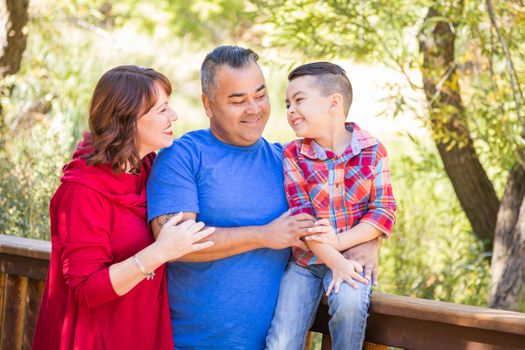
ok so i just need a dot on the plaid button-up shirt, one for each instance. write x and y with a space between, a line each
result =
347 189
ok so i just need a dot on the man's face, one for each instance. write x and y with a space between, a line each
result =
238 107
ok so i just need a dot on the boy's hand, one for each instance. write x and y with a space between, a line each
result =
367 255
323 232
345 271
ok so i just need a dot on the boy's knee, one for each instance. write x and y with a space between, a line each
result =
350 302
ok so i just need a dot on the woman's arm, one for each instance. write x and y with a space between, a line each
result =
83 240
175 240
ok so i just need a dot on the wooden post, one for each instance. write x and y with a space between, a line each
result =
35 289
2 305
326 344
13 326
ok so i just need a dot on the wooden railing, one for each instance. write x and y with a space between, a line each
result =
402 322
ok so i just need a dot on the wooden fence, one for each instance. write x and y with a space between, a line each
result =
395 321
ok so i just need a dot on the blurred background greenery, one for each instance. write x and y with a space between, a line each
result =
439 82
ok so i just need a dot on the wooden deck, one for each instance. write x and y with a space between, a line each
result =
395 321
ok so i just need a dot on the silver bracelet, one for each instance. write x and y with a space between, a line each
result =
149 275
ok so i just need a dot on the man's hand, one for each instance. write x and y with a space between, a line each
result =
367 255
287 231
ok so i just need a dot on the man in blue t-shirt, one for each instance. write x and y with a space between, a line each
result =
231 178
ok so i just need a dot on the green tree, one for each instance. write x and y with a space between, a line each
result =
474 99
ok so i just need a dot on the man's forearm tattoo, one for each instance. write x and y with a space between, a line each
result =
163 219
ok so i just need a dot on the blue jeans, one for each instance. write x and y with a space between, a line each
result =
300 294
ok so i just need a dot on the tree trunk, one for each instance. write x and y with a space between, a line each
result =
470 181
17 12
508 259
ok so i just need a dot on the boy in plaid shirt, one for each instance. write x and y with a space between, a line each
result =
339 174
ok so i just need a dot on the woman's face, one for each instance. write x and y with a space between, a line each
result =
154 127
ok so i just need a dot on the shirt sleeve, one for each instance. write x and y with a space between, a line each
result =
84 244
295 185
381 206
172 184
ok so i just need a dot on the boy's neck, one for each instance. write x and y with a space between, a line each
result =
335 138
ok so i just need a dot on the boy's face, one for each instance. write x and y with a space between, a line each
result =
308 110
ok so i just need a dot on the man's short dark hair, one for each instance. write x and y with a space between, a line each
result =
233 56
330 78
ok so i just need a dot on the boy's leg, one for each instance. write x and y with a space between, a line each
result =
348 311
299 296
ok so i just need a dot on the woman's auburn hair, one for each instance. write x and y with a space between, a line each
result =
122 95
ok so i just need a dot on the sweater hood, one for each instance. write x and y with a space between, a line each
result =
124 189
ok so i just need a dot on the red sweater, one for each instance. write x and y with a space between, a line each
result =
98 218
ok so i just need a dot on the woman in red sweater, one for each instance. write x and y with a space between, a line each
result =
106 285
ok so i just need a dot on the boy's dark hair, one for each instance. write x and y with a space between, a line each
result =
233 56
330 78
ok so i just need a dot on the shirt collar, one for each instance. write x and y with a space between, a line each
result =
361 139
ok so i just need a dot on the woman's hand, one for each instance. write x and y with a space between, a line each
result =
177 239
323 232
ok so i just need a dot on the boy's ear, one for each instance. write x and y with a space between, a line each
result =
336 101
207 105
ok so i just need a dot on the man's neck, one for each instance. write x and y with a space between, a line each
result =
335 138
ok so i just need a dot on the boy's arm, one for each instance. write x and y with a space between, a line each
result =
381 212
379 217
324 233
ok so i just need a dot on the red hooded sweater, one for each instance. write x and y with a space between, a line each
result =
98 218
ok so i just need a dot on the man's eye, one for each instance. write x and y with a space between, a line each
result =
260 97
237 102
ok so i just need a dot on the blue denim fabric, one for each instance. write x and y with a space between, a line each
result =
300 293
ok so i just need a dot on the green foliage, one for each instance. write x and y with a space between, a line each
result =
217 21
485 82
432 254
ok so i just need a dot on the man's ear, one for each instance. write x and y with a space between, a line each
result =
207 105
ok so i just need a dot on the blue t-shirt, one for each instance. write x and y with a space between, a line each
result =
227 303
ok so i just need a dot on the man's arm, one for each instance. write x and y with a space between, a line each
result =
283 232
